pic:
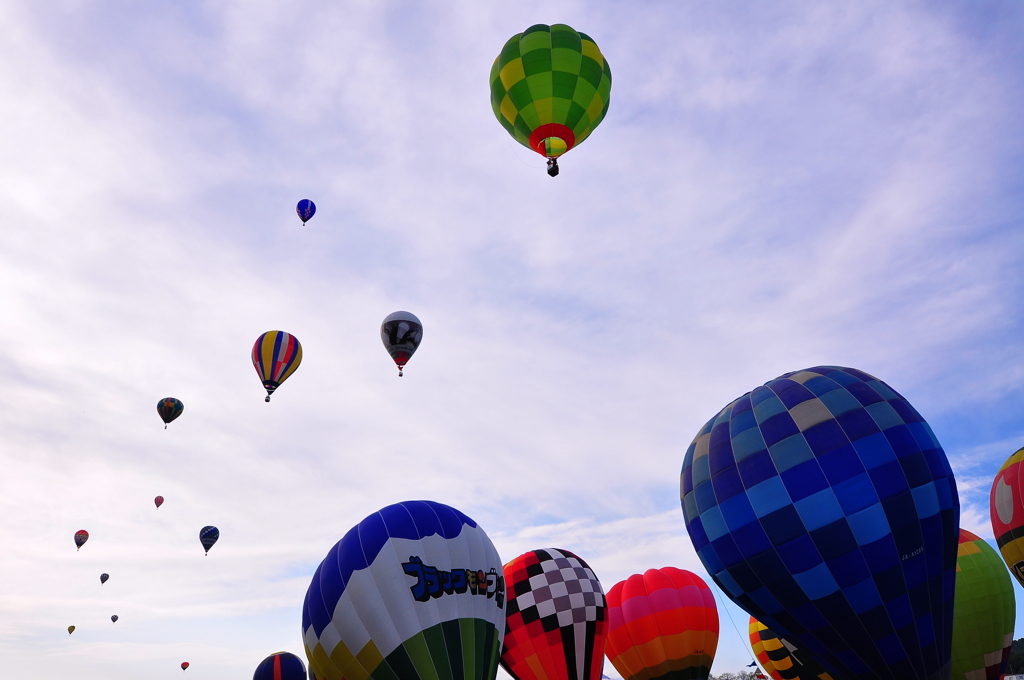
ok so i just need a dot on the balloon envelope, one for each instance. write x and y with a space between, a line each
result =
556 618
158 501
81 536
985 611
781 658
113 619
662 624
550 87
305 209
184 665
208 535
71 629
401 333
823 505
275 356
414 591
1006 509
103 578
280 666
169 408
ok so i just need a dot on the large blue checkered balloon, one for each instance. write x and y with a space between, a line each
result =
823 505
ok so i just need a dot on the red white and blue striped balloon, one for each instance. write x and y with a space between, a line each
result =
275 356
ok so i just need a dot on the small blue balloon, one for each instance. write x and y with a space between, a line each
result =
305 209
208 536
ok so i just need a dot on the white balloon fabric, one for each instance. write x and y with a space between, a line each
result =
413 592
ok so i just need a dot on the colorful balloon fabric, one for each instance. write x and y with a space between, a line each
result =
280 666
550 87
413 592
184 665
275 356
208 535
169 408
401 333
113 619
81 536
158 501
71 629
556 619
103 578
780 658
305 209
823 505
1006 508
985 612
663 624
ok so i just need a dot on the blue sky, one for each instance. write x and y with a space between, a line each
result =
774 187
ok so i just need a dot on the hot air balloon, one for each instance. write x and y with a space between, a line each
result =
103 578
184 665
71 629
158 501
985 612
555 624
81 536
275 356
1006 508
782 659
663 624
550 88
113 619
823 505
169 408
305 209
208 535
280 666
414 591
401 333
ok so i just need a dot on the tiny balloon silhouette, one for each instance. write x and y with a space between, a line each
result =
71 629
401 333
184 665
275 356
158 501
81 536
305 209
208 535
169 408
103 578
113 619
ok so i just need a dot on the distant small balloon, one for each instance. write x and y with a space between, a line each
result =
113 619
81 536
401 333
184 665
305 209
71 629
208 535
169 408
159 500
275 356
103 578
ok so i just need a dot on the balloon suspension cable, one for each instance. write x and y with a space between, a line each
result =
743 642
553 167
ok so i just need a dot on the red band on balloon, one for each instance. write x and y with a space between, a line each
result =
551 130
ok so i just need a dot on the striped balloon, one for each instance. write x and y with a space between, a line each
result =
780 658
169 408
1006 508
984 611
275 356
663 624
280 666
413 592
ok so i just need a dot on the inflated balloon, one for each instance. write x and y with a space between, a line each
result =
184 665
169 408
81 536
823 505
103 578
401 333
158 501
113 619
780 658
1006 508
550 88
556 620
275 356
662 624
414 592
305 209
985 611
280 666
208 535
71 629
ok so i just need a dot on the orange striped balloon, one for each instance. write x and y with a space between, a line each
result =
662 625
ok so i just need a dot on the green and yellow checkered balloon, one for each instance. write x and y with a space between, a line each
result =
550 88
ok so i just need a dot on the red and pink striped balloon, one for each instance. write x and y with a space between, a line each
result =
663 624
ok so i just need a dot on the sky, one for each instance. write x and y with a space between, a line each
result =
775 186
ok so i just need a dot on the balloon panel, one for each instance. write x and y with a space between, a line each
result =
823 505
280 666
413 591
401 333
275 356
662 625
780 658
985 611
1006 506
556 622
550 87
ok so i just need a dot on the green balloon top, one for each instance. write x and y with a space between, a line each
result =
550 88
